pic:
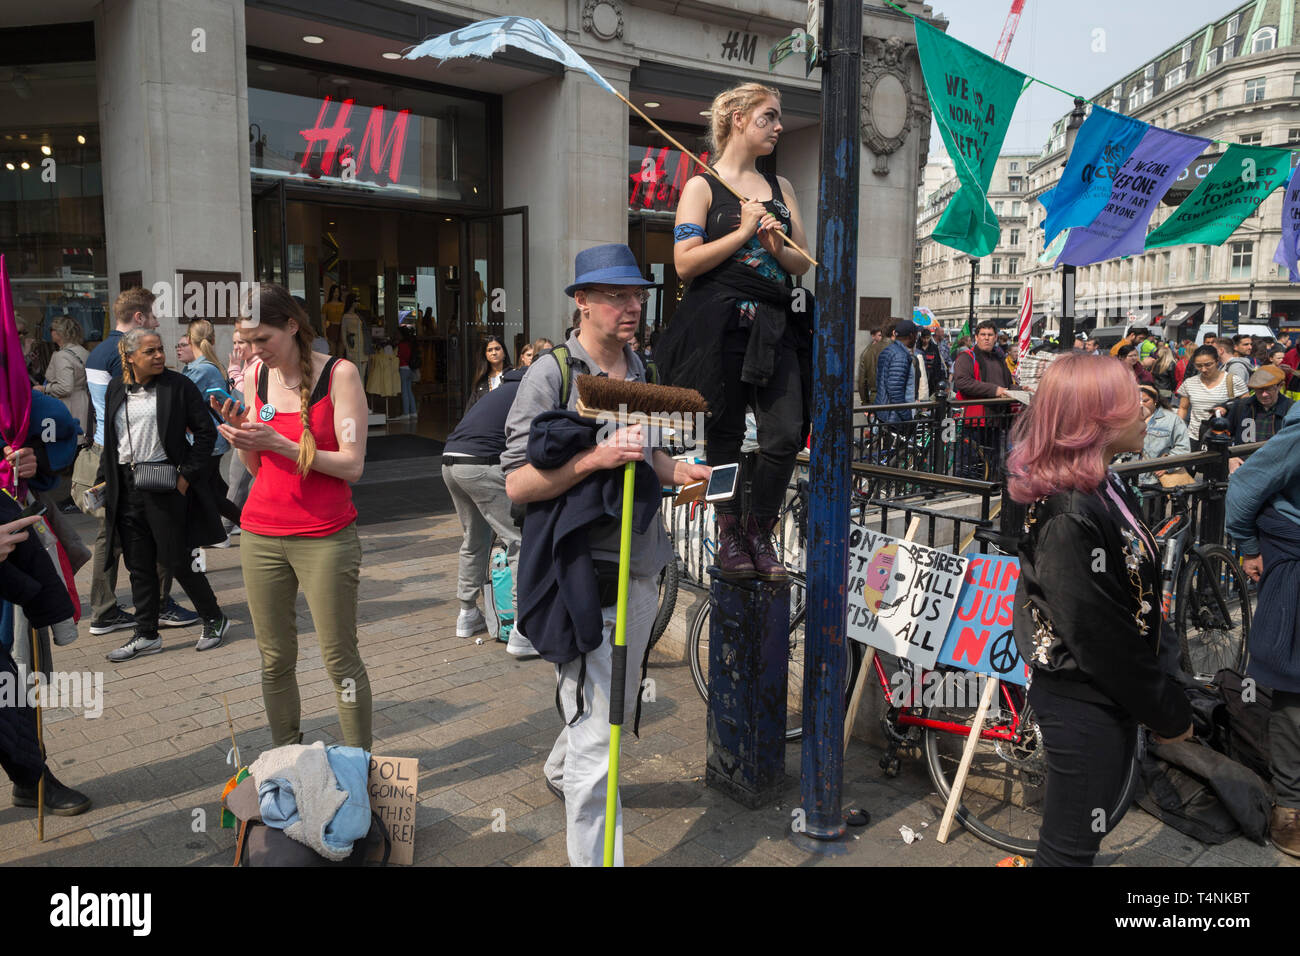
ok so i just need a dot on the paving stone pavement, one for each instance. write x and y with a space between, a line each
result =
481 725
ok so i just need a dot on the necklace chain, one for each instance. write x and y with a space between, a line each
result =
284 384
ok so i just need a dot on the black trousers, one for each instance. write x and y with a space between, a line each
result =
144 519
211 475
1089 757
779 411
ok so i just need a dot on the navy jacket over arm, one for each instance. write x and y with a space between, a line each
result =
559 603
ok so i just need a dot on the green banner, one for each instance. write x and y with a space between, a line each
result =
972 96
1235 187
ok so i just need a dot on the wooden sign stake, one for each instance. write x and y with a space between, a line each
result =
959 782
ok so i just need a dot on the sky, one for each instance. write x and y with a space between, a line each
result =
1055 42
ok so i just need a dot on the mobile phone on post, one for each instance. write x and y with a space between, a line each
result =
722 482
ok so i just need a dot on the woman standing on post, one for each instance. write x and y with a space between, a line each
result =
155 500
1087 607
741 336
303 438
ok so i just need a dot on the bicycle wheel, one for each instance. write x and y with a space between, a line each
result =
1002 802
697 652
669 579
969 459
1212 612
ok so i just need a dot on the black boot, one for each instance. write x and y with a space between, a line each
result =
758 538
59 800
732 555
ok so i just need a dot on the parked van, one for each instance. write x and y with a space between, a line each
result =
1254 331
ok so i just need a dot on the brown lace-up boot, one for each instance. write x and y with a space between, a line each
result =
1284 830
733 558
758 538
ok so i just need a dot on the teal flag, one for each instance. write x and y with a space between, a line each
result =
1235 187
972 96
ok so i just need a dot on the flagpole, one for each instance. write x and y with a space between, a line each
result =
710 170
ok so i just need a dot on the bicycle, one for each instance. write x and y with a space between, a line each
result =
1007 780
1204 592
910 449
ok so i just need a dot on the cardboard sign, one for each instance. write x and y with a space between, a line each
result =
980 637
392 786
901 594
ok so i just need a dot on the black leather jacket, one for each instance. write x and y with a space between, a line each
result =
1075 573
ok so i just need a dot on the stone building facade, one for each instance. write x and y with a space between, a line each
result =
1234 80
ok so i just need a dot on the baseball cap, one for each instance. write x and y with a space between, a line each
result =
905 328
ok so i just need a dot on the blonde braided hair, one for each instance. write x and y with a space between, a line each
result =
273 305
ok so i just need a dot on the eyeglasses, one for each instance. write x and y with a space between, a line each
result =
625 298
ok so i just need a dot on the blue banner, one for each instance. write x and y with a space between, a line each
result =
1120 228
980 636
487 37
1105 141
1288 250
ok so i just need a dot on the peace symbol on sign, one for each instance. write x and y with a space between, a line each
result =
1003 654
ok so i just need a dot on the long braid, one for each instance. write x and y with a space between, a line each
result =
307 443
128 373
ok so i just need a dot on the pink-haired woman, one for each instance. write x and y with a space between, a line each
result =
1087 612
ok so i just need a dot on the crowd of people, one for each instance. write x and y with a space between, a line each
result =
143 447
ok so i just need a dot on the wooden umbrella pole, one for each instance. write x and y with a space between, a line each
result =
710 170
40 737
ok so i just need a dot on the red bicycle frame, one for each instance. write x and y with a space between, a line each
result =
1008 731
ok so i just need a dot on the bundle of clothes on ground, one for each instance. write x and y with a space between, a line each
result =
314 795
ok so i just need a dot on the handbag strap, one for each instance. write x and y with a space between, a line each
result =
126 412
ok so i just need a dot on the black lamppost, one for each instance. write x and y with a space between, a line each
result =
1077 116
1251 310
974 273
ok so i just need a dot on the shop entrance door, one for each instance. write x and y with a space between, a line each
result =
494 262
270 250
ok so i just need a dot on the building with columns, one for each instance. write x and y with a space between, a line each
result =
944 274
1234 80
198 144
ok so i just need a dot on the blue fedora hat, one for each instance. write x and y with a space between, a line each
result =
613 264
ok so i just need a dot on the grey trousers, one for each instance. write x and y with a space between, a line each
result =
579 761
1284 748
479 494
240 483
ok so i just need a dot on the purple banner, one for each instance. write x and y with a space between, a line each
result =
1288 250
1120 228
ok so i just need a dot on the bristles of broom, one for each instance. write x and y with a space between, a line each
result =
600 395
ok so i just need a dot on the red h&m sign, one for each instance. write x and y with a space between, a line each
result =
653 187
374 149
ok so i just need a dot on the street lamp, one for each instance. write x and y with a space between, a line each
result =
1067 272
1251 309
974 272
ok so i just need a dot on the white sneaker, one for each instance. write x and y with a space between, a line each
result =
520 647
221 544
469 622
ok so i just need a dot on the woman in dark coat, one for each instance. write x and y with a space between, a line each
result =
1087 607
147 415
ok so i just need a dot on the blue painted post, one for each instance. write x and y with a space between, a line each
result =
825 654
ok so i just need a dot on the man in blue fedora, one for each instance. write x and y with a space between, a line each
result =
609 290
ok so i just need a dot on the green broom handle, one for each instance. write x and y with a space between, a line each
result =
618 675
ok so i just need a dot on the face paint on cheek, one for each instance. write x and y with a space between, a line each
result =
761 122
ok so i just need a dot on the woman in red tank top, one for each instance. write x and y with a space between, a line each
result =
303 438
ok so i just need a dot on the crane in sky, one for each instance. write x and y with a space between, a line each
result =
1009 30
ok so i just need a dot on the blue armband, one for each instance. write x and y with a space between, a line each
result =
687 230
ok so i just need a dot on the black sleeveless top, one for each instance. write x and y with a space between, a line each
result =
724 210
